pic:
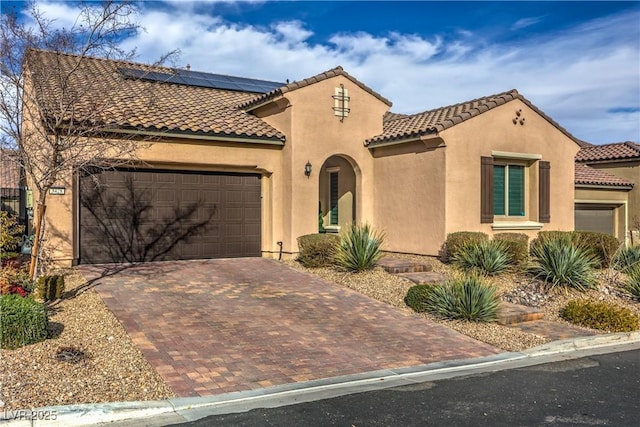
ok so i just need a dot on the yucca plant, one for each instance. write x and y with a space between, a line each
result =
359 248
626 257
632 282
463 297
563 263
488 257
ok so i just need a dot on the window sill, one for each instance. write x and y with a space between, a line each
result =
332 228
516 225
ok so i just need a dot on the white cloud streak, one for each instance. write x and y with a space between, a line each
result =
577 76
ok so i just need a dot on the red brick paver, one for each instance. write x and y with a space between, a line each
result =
216 326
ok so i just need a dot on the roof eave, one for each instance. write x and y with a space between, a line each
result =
423 137
594 186
200 136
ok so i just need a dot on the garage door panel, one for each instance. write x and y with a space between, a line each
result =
175 215
599 219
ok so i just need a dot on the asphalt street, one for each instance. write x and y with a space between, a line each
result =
595 390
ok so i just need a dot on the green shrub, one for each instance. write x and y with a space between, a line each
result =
50 288
486 257
23 321
600 315
416 297
517 245
604 246
561 263
551 235
626 257
317 250
359 248
455 241
632 282
10 234
465 297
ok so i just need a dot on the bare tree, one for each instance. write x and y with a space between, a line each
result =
54 110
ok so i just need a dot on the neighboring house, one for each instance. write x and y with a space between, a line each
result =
10 195
607 191
244 167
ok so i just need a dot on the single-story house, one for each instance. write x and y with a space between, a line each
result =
243 167
607 192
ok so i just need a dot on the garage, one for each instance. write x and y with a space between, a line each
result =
152 215
599 218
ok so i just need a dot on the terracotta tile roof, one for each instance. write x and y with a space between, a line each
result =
101 94
439 119
618 151
586 175
9 171
338 71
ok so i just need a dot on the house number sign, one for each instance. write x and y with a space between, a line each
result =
57 191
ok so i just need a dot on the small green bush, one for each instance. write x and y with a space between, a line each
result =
416 297
10 234
600 315
455 241
465 297
50 288
359 248
487 257
517 245
23 321
317 250
604 246
551 235
626 257
632 282
562 263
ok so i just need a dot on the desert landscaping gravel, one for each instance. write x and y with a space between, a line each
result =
91 359
97 362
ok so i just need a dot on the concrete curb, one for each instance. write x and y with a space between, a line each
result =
163 412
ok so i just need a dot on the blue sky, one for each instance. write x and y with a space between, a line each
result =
577 61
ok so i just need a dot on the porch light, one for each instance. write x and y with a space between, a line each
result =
307 169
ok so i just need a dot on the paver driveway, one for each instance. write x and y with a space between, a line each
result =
216 326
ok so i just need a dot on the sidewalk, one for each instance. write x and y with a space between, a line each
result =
178 410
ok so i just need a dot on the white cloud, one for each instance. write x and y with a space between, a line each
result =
525 22
577 76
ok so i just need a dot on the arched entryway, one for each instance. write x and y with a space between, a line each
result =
337 196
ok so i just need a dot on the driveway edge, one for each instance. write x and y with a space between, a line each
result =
176 410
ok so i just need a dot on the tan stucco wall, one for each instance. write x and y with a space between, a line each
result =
315 134
410 187
492 131
611 197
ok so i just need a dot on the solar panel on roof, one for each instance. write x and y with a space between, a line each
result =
201 79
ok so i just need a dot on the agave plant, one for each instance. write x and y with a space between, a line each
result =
464 297
564 264
359 248
488 257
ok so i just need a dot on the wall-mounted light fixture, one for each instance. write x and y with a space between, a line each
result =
307 169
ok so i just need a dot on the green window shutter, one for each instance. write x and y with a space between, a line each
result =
498 189
516 190
333 189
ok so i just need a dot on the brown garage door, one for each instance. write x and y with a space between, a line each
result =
141 215
595 218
